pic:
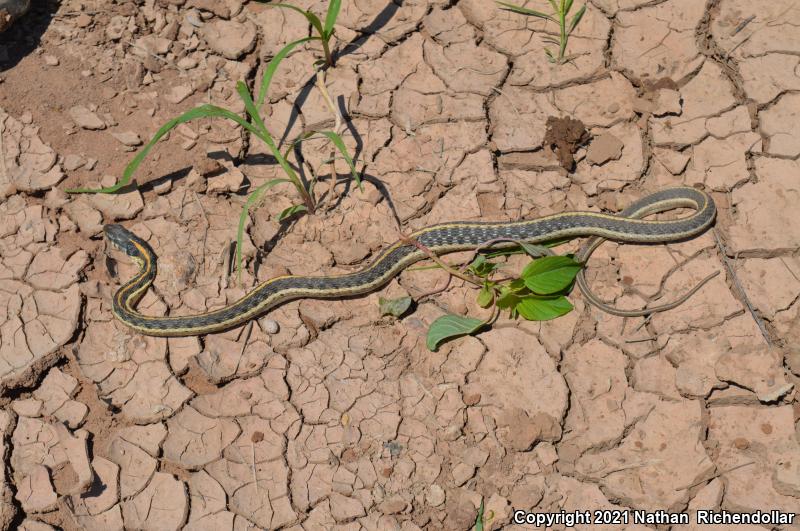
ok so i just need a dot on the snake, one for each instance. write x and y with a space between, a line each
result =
628 226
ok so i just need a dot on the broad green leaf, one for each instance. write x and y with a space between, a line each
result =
449 327
508 299
330 18
269 72
485 297
203 111
525 11
481 267
543 309
337 141
251 200
518 286
577 18
395 307
291 211
550 274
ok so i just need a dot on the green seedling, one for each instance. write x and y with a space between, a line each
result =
482 520
254 124
324 31
562 9
536 294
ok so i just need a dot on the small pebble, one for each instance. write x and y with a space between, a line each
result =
189 144
83 20
26 118
128 138
90 164
270 326
72 162
51 60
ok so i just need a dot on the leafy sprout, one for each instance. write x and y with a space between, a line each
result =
255 125
537 294
561 10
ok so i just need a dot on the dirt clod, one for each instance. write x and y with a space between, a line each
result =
565 136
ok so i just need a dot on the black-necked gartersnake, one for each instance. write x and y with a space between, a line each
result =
439 239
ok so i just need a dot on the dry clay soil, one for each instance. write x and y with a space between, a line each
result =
326 415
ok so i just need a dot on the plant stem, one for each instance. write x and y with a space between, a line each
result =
562 18
327 50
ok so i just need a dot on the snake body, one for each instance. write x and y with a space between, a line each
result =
438 239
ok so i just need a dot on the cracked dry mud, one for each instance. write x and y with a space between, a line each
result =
336 418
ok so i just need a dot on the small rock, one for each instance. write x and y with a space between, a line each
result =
603 148
133 71
83 20
187 63
344 509
221 9
128 138
90 164
179 93
393 505
667 101
435 496
189 144
85 118
72 162
51 60
230 181
27 407
230 39
187 131
26 118
270 326
546 453
35 492
462 472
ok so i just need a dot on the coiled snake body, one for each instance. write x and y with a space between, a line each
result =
439 239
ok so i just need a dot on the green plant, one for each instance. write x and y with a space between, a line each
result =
324 31
480 519
254 124
562 9
537 294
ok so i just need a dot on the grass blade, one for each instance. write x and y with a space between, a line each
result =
337 141
262 133
269 72
291 211
250 107
252 198
330 18
311 17
204 111
567 7
526 11
577 18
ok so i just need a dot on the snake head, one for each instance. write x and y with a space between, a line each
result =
126 241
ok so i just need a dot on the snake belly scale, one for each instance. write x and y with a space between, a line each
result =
439 239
